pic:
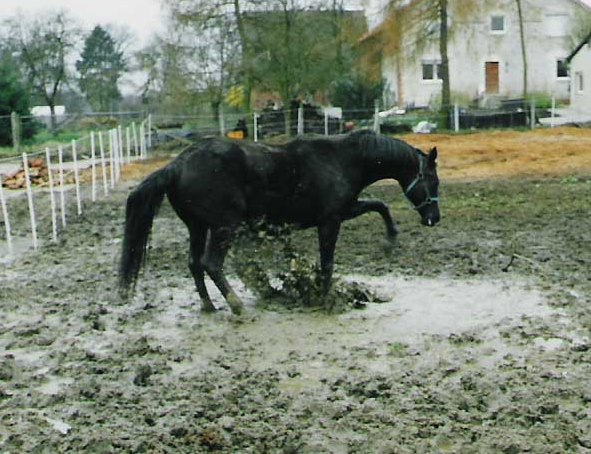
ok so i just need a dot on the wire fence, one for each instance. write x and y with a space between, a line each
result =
53 174
306 119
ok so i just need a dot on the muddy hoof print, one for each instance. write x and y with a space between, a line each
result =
142 376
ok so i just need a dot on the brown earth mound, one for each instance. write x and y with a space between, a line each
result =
484 155
506 154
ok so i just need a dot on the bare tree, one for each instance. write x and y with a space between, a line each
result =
43 46
411 26
522 39
288 47
215 30
206 46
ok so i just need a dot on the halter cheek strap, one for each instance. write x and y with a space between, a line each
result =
428 200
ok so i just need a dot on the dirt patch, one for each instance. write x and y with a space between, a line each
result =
464 357
484 155
506 154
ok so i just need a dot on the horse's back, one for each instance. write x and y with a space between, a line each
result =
222 182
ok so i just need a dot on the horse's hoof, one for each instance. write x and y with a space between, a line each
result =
235 304
390 243
208 308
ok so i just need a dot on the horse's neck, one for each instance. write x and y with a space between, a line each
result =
400 162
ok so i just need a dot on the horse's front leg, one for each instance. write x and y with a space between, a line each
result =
328 232
365 206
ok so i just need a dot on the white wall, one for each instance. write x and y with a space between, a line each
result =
581 63
547 28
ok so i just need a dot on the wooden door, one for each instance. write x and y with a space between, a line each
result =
491 76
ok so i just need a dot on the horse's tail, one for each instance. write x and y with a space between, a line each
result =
142 206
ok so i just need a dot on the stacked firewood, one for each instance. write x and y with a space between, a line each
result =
38 174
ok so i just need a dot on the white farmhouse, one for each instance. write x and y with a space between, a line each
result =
485 54
580 70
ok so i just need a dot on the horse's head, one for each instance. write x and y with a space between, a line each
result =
422 190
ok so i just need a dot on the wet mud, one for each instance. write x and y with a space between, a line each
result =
482 344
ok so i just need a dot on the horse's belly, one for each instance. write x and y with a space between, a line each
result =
284 211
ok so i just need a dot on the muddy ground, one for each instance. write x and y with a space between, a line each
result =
483 345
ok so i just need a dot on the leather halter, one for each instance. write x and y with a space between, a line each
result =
420 176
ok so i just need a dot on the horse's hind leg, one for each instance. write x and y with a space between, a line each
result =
213 262
198 237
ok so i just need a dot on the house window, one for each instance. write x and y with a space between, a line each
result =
561 68
431 70
497 24
556 25
579 81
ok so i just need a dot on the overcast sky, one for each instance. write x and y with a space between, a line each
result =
143 17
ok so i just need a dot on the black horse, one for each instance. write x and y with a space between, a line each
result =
215 185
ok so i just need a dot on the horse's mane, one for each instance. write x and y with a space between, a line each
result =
370 142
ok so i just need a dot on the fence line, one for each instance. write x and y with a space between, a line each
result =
87 144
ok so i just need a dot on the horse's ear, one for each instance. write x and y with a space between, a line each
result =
433 155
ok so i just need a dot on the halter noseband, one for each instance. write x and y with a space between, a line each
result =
428 200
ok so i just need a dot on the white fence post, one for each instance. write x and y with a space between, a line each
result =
30 201
532 115
553 111
111 158
128 144
60 155
142 141
456 118
51 197
103 163
93 165
300 120
325 122
135 144
117 156
256 126
376 118
149 130
76 178
120 148
6 220
222 121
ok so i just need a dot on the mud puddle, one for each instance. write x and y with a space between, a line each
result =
419 313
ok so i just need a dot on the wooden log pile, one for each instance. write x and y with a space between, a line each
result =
37 172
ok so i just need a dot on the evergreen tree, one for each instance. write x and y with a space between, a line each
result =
100 66
14 97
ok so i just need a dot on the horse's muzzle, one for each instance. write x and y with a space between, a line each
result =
430 221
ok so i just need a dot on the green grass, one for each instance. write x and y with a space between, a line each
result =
42 140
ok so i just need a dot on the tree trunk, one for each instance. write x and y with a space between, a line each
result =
246 55
53 118
523 53
443 38
337 10
286 95
399 80
286 99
